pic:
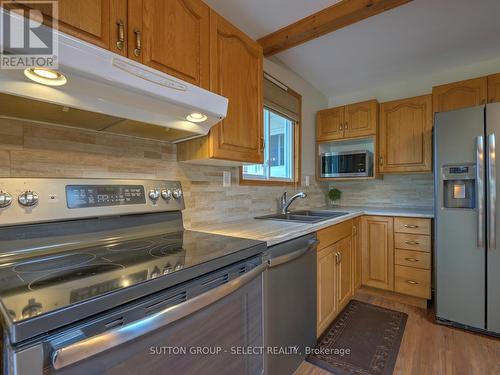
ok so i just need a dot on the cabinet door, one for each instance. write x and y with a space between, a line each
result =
176 38
377 252
344 272
361 119
326 287
236 74
356 253
469 93
406 135
330 124
87 20
494 88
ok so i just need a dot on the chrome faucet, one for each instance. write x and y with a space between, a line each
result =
285 203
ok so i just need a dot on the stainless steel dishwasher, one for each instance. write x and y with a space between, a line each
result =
290 304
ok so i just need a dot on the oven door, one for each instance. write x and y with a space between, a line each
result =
207 334
346 164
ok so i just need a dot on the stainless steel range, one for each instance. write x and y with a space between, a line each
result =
99 276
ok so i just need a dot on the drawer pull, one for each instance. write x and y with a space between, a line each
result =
412 242
412 282
410 226
411 259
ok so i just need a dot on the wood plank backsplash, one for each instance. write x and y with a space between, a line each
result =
30 149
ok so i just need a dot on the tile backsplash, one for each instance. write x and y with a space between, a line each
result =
36 150
405 190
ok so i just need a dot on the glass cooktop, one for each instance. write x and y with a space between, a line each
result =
33 286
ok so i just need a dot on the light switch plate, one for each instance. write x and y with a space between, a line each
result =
226 179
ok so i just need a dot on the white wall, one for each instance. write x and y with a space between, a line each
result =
417 85
312 101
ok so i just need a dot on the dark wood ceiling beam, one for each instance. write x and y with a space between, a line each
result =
337 16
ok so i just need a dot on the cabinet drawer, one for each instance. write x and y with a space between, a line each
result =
412 225
417 242
333 234
416 259
412 281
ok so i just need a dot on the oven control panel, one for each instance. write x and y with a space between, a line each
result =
24 201
81 196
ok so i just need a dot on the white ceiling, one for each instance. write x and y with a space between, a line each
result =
421 37
261 17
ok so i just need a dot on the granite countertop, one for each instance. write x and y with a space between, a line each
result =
274 232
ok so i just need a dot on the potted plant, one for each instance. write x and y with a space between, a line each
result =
334 195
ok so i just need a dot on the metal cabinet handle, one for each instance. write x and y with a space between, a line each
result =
412 243
91 346
138 44
292 256
346 125
492 192
412 282
411 226
411 259
381 160
480 189
340 126
120 43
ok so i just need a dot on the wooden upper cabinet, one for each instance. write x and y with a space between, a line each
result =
494 88
377 252
237 74
94 21
350 121
463 94
361 119
406 135
329 124
174 37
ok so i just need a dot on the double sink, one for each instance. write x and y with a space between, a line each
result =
304 216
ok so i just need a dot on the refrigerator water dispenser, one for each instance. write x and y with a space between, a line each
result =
459 186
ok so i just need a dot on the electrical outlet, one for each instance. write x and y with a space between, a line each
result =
307 181
226 179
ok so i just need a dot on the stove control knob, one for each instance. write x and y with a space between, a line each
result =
155 272
28 198
177 193
154 194
168 269
33 308
166 194
5 199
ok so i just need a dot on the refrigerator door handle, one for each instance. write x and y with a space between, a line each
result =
492 192
480 190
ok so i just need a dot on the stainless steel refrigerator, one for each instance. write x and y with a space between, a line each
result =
467 229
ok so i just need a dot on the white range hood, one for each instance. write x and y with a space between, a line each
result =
103 82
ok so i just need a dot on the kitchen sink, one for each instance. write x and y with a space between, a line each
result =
304 216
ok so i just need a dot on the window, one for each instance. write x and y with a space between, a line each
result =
278 150
281 135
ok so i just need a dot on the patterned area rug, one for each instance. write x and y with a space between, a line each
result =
363 340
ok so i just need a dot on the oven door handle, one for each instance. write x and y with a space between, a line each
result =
91 346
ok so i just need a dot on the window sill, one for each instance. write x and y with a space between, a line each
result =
268 183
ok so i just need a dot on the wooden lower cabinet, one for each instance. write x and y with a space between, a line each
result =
378 252
344 275
356 252
326 306
335 272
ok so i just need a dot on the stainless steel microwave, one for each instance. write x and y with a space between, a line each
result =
347 164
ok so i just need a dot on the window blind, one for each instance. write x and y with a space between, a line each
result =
278 98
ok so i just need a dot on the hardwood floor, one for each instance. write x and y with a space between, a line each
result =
428 348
